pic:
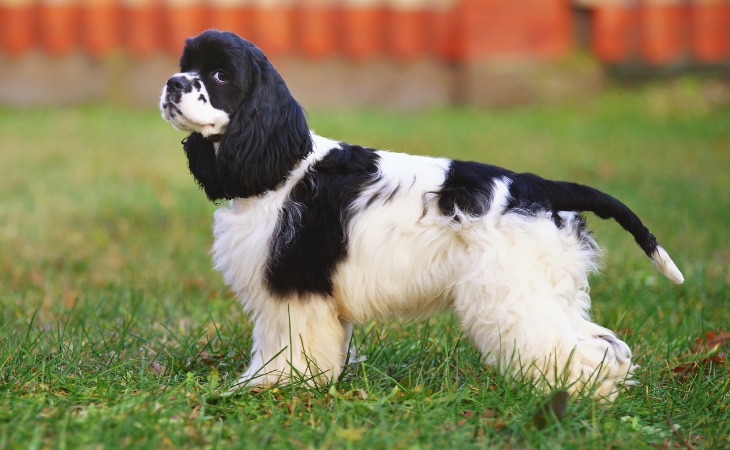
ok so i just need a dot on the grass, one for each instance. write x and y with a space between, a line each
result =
116 333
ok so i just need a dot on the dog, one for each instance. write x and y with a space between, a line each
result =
320 234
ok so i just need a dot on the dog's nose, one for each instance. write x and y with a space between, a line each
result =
178 83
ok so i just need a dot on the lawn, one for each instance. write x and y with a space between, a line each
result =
116 333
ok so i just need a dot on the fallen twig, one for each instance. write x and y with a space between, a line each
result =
676 432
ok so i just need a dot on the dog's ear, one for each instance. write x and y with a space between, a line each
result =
266 137
202 164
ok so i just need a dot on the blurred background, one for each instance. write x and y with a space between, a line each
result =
94 185
334 53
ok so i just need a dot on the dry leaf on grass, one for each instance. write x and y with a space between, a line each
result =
705 365
552 408
712 342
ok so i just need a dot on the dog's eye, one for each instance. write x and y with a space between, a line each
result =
220 76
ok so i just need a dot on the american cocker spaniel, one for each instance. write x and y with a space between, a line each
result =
320 234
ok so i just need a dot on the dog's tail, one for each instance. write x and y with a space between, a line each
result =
528 189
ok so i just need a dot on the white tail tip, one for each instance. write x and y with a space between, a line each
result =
666 265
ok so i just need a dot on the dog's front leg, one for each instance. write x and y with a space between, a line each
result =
297 340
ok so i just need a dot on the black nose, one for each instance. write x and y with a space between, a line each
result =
178 83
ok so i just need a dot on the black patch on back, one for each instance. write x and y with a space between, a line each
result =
468 188
532 194
554 196
310 238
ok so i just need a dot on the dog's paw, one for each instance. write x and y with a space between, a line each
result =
600 367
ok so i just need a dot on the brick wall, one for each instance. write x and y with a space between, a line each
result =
661 32
403 53
357 29
654 31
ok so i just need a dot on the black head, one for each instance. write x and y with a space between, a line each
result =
248 132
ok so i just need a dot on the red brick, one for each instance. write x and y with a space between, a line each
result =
18 28
59 27
665 31
615 35
711 31
363 32
101 27
142 33
318 30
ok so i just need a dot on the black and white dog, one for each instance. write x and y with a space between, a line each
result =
321 234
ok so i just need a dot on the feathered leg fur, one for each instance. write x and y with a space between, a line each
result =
297 340
525 306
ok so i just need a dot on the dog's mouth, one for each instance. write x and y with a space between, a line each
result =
189 114
173 114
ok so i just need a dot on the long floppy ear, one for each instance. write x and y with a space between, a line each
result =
202 164
266 137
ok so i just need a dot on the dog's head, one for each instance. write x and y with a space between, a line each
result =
217 71
228 93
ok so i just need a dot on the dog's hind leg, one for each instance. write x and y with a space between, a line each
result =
537 339
298 340
523 301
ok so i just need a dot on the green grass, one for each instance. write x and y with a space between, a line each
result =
115 331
